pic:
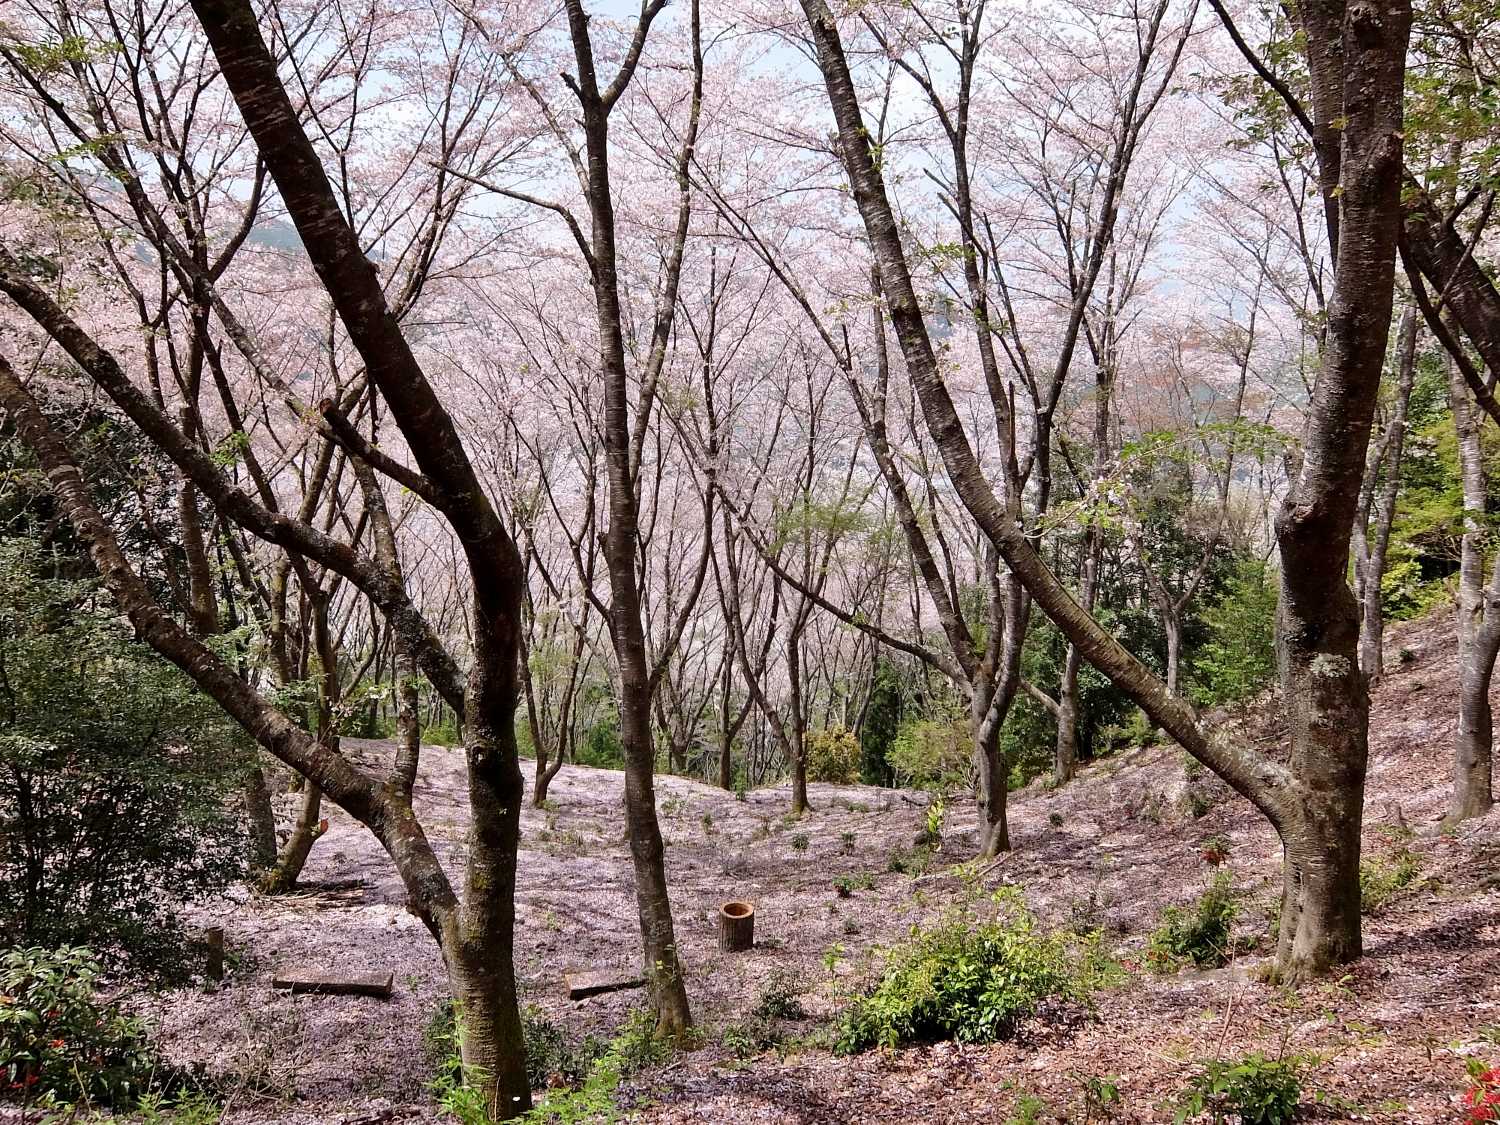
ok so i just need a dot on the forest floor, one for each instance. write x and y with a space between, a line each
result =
1388 1041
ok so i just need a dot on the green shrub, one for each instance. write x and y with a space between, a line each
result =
832 756
882 720
601 746
846 885
750 1038
1101 1097
1255 1089
444 733
800 842
59 1042
636 1047
117 778
1199 934
1382 877
932 754
590 1070
910 861
969 978
779 1000
1029 1110
1238 657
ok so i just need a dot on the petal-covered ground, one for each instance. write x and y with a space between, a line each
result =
1388 1042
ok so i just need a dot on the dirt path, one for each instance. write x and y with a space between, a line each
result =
1113 848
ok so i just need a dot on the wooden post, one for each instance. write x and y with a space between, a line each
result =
736 926
214 935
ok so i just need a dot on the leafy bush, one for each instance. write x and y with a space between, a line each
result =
601 746
1101 1097
115 775
1481 1101
932 754
636 1047
58 1041
882 720
1255 1089
846 885
969 978
832 756
1199 934
750 1038
779 1000
1238 657
910 861
1382 877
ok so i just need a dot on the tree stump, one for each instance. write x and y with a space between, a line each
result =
214 950
736 926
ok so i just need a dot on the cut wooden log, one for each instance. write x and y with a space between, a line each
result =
213 939
736 926
335 984
592 984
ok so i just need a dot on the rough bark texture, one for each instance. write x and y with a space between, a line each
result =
1478 620
262 818
666 987
1357 56
477 937
1316 804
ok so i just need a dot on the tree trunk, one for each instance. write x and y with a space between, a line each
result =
994 785
1372 529
1320 898
261 815
1065 752
1172 625
1065 764
305 832
665 985
478 945
800 807
1356 55
1478 621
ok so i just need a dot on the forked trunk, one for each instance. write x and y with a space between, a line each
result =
547 768
293 856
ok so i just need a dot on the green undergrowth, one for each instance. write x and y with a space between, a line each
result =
975 975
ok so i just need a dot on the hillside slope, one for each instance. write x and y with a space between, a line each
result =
1113 848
